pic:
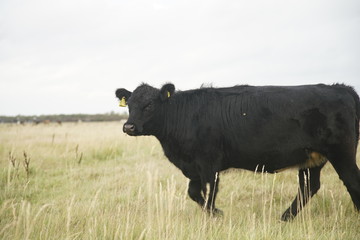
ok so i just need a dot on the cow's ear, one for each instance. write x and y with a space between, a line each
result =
167 91
123 95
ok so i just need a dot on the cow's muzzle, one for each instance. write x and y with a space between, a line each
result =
129 128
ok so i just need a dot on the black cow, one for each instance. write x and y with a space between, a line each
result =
267 128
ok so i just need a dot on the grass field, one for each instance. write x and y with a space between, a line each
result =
90 181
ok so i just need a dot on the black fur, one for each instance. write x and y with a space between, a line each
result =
121 92
208 130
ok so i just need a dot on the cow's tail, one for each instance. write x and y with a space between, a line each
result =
356 98
357 120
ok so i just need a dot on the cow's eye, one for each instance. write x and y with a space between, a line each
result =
148 107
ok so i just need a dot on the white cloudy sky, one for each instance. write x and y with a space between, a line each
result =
69 56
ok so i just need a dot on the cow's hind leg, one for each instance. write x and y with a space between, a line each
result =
309 184
349 173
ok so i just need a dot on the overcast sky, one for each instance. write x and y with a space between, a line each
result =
70 56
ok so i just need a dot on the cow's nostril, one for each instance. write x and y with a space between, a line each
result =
129 128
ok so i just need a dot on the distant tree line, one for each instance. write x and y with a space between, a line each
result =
64 118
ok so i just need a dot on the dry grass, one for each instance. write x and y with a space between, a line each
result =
90 181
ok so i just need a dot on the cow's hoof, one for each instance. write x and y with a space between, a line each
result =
216 212
287 216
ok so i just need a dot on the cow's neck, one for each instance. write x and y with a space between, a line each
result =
174 122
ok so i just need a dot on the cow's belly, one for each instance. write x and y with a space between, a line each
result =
315 159
276 161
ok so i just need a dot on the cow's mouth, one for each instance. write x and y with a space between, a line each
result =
131 133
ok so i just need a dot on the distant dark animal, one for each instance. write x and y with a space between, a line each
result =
268 128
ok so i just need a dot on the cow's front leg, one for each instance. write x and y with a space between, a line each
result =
194 192
213 181
214 187
198 192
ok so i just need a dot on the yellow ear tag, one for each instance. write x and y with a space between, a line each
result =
122 102
168 93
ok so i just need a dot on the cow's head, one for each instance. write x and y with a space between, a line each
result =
143 105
